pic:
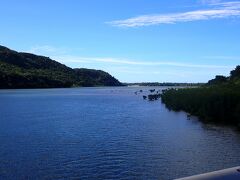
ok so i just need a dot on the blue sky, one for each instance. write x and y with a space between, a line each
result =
134 40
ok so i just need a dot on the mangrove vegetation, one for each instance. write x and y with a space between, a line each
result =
218 101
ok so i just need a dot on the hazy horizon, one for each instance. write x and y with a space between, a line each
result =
135 41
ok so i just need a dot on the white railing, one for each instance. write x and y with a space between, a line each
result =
225 174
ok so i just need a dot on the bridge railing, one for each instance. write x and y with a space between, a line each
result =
225 174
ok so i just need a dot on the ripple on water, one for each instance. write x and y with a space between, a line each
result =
105 133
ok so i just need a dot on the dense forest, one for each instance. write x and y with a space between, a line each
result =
218 101
24 70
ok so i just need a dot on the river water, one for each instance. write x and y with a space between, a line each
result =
106 133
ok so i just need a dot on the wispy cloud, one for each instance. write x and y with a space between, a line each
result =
48 50
44 48
217 10
77 59
62 55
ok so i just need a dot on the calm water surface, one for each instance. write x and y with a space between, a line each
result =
105 133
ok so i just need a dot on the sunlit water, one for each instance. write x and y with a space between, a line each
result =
105 133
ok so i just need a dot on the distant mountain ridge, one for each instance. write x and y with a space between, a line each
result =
162 84
25 70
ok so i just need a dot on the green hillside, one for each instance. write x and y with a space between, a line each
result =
24 70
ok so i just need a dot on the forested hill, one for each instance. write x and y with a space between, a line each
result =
217 101
25 70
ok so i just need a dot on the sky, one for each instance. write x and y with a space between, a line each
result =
133 40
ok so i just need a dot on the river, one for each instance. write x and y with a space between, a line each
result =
106 133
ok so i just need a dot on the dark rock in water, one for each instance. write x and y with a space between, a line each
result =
153 97
144 97
141 91
135 93
152 90
188 116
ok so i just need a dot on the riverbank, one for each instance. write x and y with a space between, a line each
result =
218 101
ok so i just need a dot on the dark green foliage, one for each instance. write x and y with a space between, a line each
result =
90 77
218 80
215 102
24 70
235 73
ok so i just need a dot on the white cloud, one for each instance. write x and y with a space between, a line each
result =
61 55
45 48
217 10
77 59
